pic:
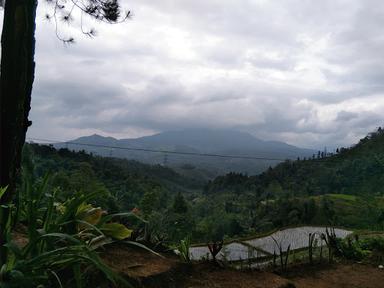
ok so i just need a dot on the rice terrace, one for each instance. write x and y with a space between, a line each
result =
261 247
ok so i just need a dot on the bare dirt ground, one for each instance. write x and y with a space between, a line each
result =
153 271
137 262
336 276
206 275
349 275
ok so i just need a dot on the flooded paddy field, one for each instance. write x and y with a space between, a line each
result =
262 248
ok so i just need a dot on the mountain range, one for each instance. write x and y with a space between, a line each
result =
203 141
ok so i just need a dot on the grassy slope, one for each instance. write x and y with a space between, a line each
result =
353 211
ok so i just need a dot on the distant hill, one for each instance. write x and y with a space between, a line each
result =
358 170
227 142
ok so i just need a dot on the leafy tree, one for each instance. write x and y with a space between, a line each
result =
179 204
309 210
149 202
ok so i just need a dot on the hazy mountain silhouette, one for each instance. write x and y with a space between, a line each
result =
228 142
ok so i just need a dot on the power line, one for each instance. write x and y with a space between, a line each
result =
51 141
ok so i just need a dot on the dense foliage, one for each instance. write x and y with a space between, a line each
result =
126 181
358 170
154 192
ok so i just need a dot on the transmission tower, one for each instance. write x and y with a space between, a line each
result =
165 159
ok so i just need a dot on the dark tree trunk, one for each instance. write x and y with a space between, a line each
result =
16 79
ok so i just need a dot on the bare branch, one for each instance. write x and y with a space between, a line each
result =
108 11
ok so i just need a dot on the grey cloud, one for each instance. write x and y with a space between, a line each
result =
280 64
218 64
346 116
369 119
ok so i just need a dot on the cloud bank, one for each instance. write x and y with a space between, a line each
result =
310 73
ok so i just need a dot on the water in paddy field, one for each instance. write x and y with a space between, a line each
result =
264 247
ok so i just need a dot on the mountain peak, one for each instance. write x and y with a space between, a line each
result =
96 139
211 141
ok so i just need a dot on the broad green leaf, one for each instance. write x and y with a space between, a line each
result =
116 230
89 214
82 209
2 191
109 217
99 241
93 216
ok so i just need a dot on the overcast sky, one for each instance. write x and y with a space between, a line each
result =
307 72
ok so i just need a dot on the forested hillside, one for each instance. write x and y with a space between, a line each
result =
126 181
344 189
358 170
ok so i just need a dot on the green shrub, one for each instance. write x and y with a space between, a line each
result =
355 249
352 249
373 244
376 246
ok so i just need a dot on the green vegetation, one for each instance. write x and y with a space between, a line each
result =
156 193
70 204
183 249
61 234
369 249
61 240
345 189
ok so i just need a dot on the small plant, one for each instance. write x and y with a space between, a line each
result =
183 249
312 243
225 254
283 258
332 243
215 248
274 259
311 239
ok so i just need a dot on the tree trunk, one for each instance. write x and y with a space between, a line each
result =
16 79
